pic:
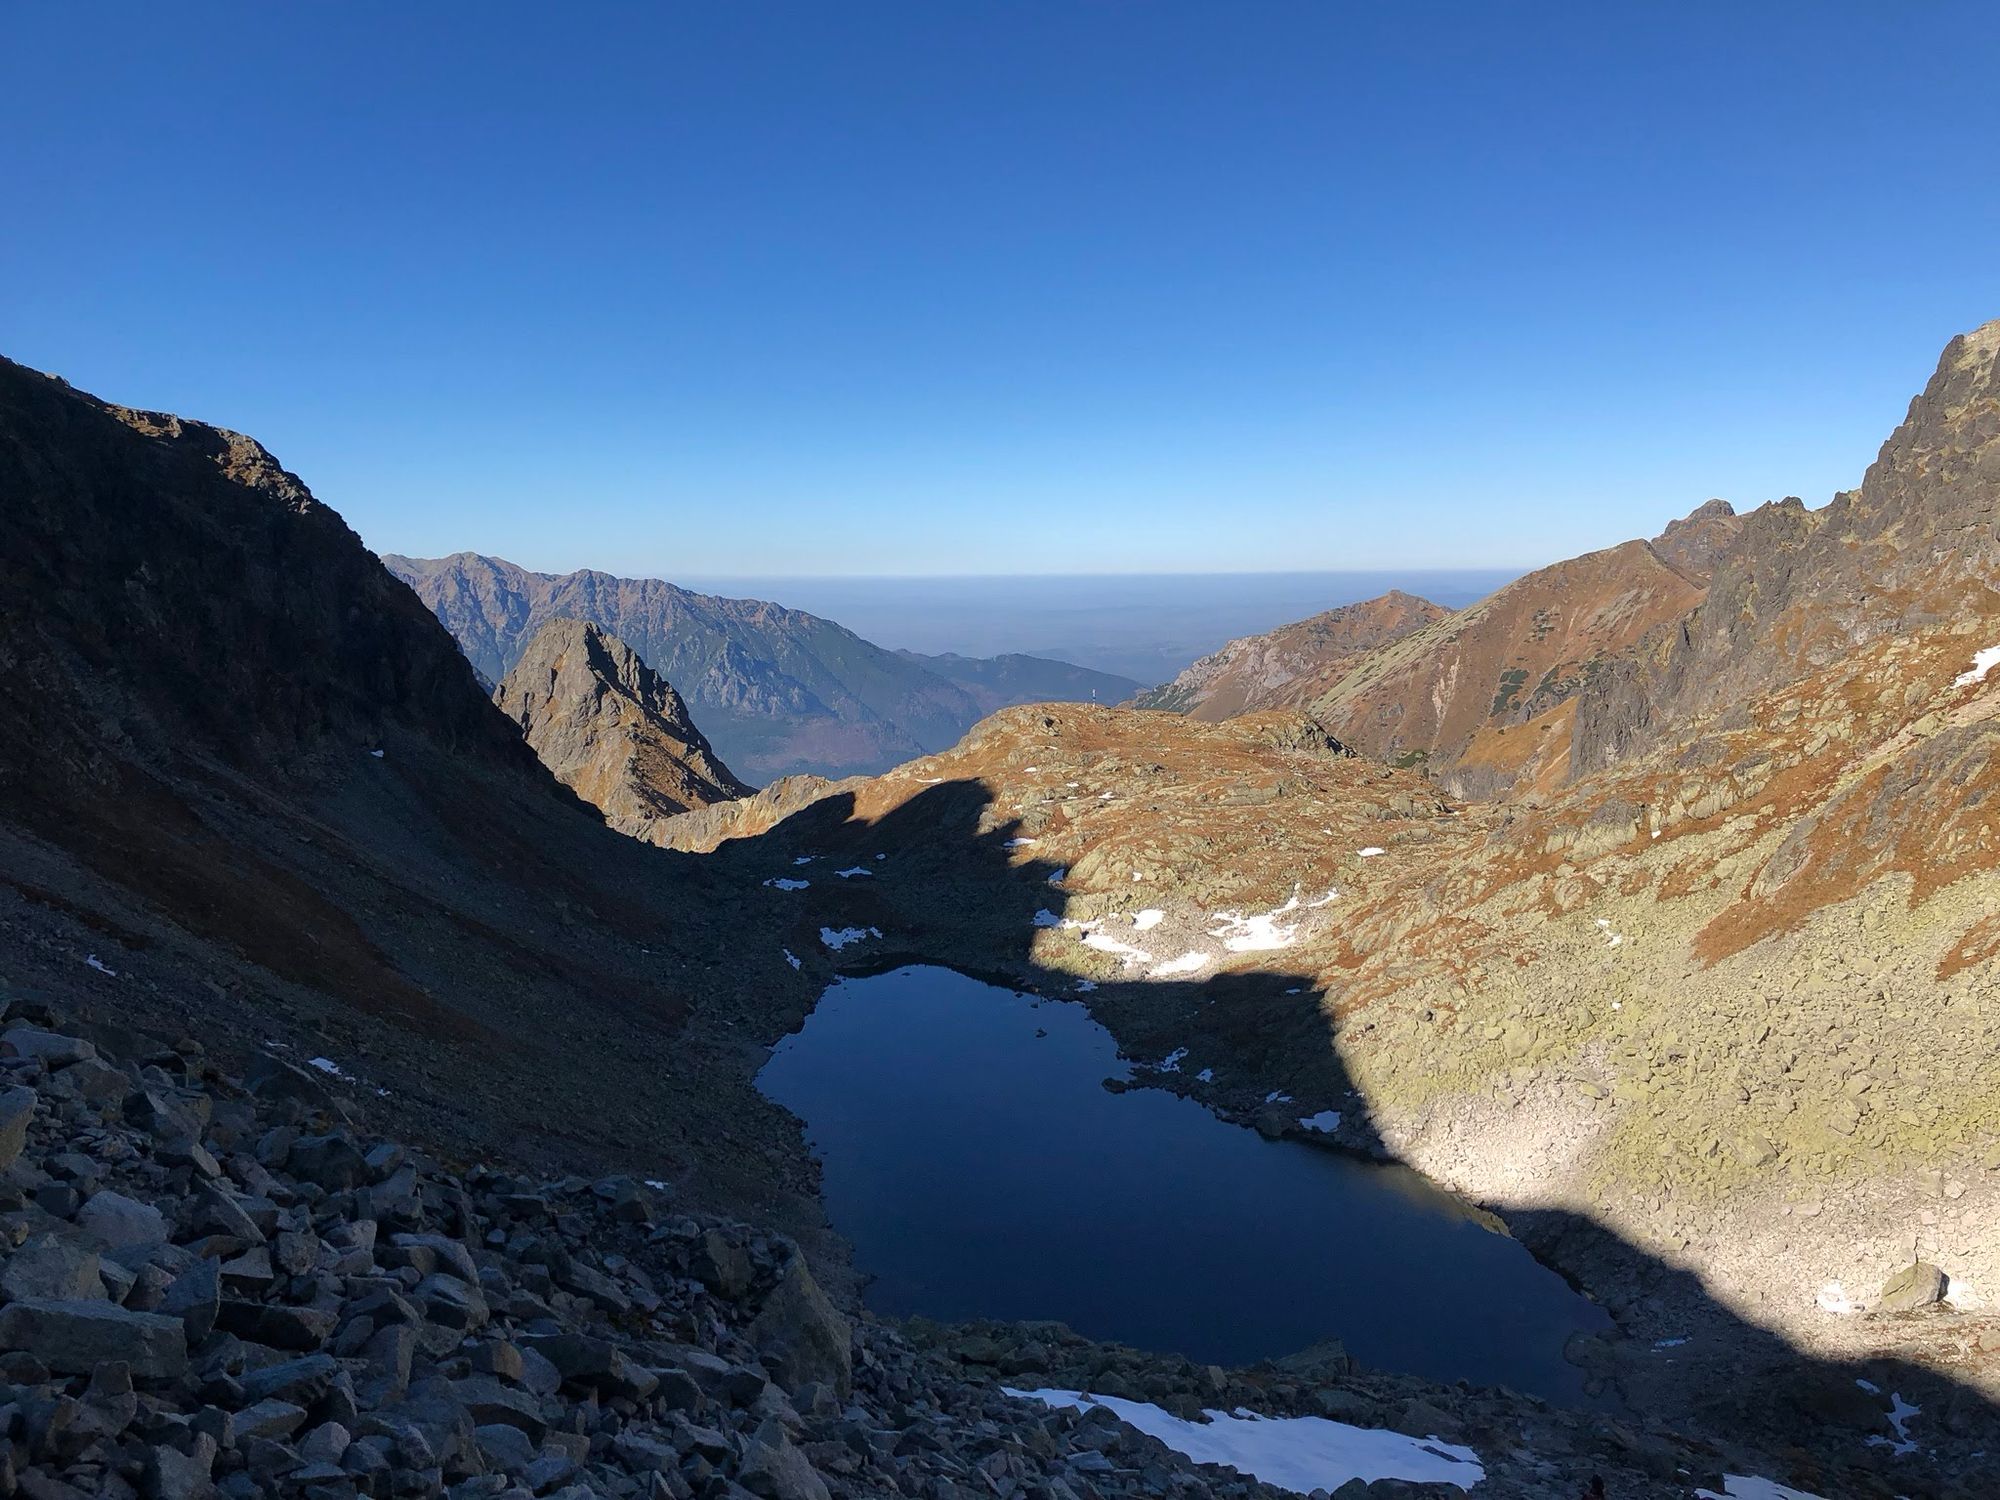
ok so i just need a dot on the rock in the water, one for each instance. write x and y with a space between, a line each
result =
74 1337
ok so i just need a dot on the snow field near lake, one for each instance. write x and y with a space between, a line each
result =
1750 1487
838 939
1301 1454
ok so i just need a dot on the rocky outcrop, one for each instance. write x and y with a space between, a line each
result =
611 729
1291 665
1483 699
1916 546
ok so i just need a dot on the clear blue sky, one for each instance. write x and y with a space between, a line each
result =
945 286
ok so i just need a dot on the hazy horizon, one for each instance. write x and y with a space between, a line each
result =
778 290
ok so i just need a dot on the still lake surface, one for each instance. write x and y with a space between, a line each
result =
979 1167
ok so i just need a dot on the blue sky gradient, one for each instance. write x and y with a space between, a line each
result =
769 289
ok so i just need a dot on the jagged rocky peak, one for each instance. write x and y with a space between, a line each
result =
1694 542
612 729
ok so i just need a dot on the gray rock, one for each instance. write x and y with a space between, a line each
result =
507 1450
74 1337
302 1381
722 1267
799 1334
491 1403
332 1161
175 1475
112 1219
452 1302
195 1298
51 1266
54 1049
275 1324
270 1418
17 1113
1918 1285
776 1470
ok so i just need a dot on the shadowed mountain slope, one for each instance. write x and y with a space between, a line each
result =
612 729
1292 664
247 779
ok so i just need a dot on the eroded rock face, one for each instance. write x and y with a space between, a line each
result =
1916 546
1286 667
612 729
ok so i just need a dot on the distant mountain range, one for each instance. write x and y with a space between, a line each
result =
777 691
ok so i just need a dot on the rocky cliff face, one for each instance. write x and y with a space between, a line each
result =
1484 698
612 729
1293 664
777 690
1917 545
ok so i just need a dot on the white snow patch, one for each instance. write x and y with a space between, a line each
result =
1206 1075
654 1182
1188 963
1833 1298
1869 1386
1900 1412
850 873
791 958
838 940
1256 933
1056 875
376 753
783 883
1151 917
805 859
100 965
1982 663
1171 1063
1277 1096
1031 768
1047 918
328 1065
1372 850
1018 843
1128 955
1325 1122
1673 1343
1750 1487
1960 1296
1085 986
1301 1454
1330 897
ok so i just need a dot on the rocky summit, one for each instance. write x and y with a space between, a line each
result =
611 729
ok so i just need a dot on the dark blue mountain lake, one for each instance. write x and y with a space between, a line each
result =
979 1168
